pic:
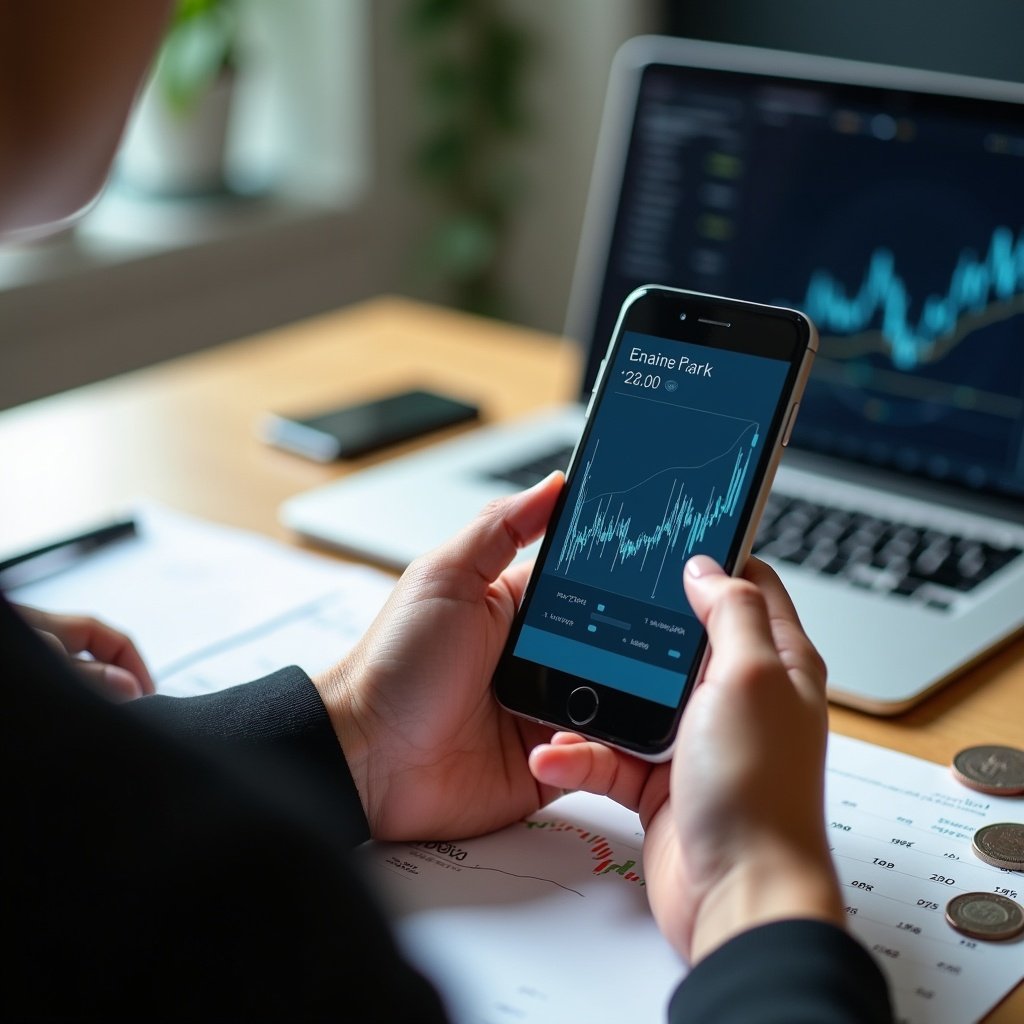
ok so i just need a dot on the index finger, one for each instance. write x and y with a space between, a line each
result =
795 648
81 633
732 610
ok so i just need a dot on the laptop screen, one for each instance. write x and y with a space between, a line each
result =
894 219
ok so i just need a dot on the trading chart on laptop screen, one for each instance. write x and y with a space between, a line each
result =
894 220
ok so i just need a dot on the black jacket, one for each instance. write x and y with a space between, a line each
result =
189 859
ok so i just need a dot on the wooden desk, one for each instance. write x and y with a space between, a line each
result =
183 433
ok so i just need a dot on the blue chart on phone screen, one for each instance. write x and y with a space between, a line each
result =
668 465
632 531
675 446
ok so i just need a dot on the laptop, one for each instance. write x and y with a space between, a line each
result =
886 203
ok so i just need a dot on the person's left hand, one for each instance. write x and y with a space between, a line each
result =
113 666
432 753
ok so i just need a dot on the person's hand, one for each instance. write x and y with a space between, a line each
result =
432 753
741 840
112 665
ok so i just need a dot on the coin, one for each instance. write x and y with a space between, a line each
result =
1001 844
985 915
991 769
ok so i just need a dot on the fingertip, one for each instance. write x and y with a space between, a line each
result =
548 481
578 764
120 685
563 739
531 509
550 767
700 574
550 485
552 763
700 567
147 686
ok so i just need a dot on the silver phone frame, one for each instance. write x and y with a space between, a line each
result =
743 554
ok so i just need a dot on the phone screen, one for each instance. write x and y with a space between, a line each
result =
674 446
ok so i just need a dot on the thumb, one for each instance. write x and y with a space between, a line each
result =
490 542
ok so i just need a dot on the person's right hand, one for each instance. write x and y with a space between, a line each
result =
740 839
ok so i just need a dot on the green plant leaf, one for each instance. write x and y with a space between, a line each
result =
446 83
425 18
443 155
470 58
461 247
198 48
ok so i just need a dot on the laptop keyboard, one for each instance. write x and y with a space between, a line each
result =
866 551
527 474
876 553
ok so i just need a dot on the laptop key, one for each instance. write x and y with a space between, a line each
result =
868 550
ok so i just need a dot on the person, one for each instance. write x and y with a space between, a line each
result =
190 858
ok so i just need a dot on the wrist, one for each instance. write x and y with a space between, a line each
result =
336 689
776 886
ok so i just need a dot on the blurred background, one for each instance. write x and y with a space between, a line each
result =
290 157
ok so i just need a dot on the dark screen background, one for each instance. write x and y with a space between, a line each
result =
978 38
755 187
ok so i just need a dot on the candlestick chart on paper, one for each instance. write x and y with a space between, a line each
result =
509 926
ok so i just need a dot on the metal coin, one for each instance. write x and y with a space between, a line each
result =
991 769
985 915
1001 845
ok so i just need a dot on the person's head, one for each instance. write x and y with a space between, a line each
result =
69 73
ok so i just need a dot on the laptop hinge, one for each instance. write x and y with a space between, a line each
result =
894 482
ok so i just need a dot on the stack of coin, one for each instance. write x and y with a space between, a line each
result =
985 915
998 771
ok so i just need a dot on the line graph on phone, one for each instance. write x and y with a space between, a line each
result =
633 526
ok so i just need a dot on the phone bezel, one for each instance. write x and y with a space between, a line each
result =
643 727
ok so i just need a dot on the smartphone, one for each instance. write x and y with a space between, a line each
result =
693 405
358 429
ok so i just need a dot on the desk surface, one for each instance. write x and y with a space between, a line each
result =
184 434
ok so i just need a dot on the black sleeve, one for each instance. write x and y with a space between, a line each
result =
278 718
188 859
789 972
159 866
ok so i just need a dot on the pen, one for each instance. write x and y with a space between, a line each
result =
30 566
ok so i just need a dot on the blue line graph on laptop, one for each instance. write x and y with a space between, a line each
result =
980 289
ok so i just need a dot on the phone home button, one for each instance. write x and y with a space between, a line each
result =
581 705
